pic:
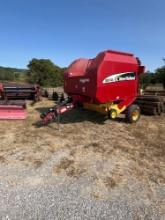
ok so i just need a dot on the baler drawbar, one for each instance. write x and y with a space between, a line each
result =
54 113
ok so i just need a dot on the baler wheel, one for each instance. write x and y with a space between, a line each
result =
112 114
133 113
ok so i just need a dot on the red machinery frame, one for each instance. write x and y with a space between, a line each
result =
16 109
13 110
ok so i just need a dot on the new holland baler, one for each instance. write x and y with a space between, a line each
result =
109 84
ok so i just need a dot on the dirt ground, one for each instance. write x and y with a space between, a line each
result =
112 153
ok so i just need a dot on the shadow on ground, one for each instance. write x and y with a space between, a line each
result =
80 115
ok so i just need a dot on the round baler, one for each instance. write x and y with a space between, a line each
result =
108 84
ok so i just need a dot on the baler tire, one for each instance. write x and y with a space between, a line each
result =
133 109
112 114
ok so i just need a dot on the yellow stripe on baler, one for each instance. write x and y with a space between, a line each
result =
95 107
103 108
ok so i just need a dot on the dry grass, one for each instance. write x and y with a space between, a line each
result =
96 195
110 182
106 150
64 164
70 167
2 159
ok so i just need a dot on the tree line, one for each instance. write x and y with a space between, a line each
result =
149 78
45 73
39 71
10 74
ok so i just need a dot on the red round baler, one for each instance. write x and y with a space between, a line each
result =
108 84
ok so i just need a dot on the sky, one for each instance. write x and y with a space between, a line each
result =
64 30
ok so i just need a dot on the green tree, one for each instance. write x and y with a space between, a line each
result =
152 78
146 79
160 75
44 72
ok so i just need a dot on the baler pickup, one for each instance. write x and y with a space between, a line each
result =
13 110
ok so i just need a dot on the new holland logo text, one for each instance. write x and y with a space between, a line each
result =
120 77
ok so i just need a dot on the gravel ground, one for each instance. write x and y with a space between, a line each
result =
27 193
64 202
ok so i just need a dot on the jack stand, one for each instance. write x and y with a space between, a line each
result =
58 122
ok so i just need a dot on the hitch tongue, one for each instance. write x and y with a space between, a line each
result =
55 113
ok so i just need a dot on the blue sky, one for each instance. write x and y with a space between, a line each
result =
63 30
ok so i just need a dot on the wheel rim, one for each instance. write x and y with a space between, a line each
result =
113 115
135 115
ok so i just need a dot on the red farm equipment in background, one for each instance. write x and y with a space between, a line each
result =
108 84
10 91
11 94
13 110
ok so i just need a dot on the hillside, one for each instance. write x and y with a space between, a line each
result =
10 70
8 73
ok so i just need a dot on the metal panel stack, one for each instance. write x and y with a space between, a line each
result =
152 102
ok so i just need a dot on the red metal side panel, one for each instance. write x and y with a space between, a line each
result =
82 79
113 65
111 76
78 67
12 112
72 77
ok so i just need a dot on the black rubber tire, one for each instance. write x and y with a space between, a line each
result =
62 98
129 113
55 96
112 111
